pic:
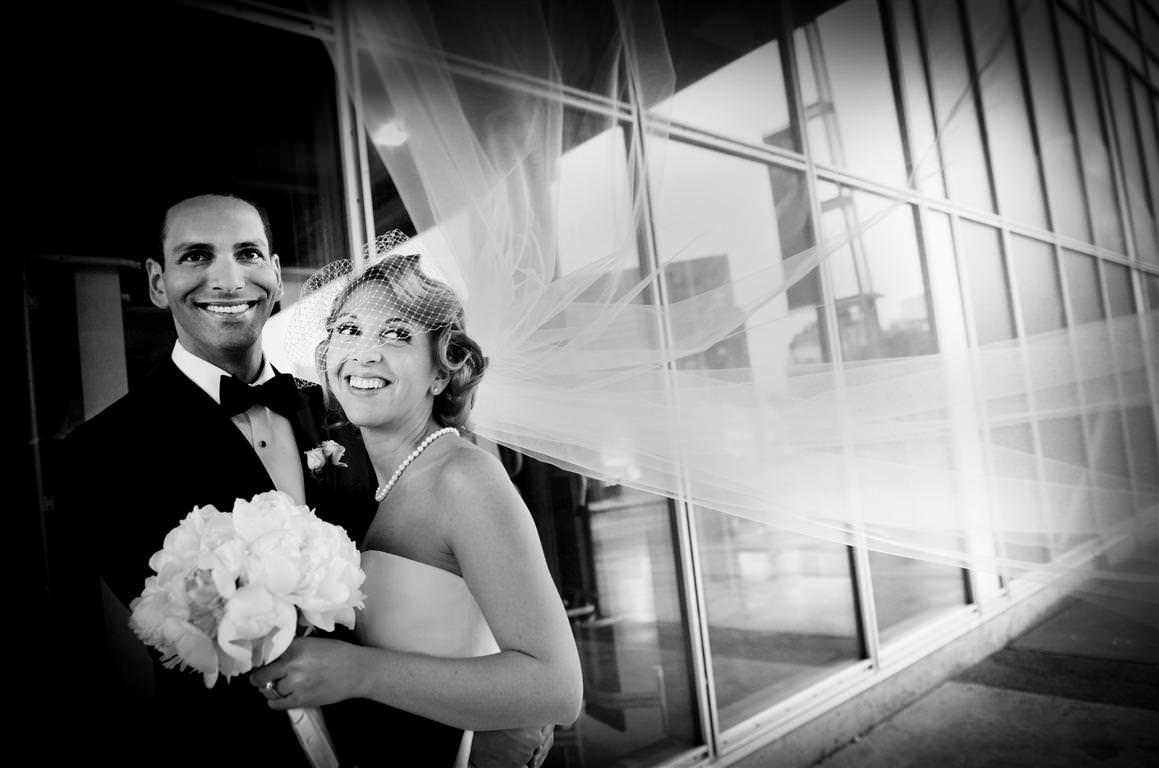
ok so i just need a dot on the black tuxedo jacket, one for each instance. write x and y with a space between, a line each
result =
128 476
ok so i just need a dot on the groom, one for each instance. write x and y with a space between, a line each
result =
194 433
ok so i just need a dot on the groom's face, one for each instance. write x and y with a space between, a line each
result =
219 279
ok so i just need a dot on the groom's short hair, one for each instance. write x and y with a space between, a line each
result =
164 229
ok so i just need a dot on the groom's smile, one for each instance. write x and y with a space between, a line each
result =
228 309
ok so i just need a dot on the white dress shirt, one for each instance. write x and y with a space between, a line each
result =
268 432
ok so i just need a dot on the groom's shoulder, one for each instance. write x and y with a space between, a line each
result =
136 408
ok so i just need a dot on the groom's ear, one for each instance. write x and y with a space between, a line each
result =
154 273
281 292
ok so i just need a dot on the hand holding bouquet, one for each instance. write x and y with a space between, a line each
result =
230 589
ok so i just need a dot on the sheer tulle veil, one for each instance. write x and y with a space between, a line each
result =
536 202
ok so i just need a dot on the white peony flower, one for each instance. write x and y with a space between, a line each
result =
230 589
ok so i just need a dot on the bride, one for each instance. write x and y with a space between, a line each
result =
463 624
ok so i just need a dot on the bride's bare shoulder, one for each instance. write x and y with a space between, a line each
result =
473 477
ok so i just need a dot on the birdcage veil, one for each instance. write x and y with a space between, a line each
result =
350 307
602 354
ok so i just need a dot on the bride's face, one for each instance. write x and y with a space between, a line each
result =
379 363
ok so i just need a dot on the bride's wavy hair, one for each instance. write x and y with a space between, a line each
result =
434 306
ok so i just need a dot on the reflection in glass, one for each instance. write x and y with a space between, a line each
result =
1096 161
1021 520
1013 154
883 310
1120 296
908 591
1127 344
960 133
617 571
780 607
1056 406
1117 35
878 280
1012 446
724 220
1139 195
1149 27
980 259
849 101
1057 141
925 160
1082 281
729 77
1039 291
1148 127
1144 453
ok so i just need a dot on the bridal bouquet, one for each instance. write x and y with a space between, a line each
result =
230 589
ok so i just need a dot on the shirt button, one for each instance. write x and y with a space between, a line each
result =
261 443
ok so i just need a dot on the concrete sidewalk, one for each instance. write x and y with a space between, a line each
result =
1080 688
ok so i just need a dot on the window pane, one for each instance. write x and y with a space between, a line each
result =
1064 448
849 101
1120 297
614 559
1082 284
957 118
1012 152
925 158
720 219
1149 141
1092 142
1138 195
1144 453
1068 212
1118 37
878 280
1039 291
981 262
908 591
1149 28
729 77
1020 518
781 612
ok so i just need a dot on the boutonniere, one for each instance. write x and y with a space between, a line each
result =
328 451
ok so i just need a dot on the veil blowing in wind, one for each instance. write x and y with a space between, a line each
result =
642 342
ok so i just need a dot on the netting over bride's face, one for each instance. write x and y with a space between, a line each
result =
349 313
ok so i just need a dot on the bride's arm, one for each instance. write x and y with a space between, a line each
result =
534 679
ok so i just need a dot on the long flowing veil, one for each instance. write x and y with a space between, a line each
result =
538 200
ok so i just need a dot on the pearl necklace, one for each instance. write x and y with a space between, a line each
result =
384 489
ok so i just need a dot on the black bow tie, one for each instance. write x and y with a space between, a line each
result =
279 394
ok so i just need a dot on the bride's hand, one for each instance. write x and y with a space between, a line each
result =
312 672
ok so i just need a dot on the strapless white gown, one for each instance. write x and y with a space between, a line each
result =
412 606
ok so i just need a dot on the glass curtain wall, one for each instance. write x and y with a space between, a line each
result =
987 135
